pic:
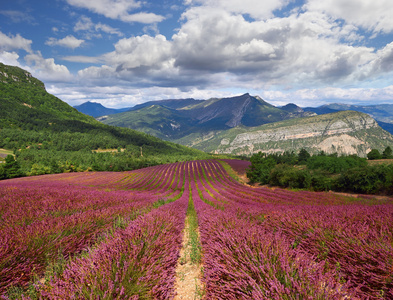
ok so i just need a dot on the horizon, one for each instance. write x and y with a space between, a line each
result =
122 53
331 103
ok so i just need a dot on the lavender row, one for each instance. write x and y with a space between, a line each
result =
137 262
354 239
242 261
61 215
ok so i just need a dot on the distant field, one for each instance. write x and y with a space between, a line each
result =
4 153
380 161
108 150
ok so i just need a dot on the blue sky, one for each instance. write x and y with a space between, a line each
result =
124 52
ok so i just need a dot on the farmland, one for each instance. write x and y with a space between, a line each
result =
118 235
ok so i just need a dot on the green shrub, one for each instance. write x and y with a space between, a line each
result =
370 180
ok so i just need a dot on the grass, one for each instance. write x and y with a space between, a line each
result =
195 253
4 152
380 162
230 171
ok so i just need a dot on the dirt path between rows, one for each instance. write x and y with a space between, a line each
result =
188 284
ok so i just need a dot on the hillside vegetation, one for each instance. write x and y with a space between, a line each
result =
47 135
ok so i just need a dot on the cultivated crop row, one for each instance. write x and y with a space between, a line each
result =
118 235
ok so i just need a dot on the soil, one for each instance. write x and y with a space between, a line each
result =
188 284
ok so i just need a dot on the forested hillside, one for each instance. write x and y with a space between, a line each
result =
47 135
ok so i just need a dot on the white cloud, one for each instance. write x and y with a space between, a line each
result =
69 42
305 57
214 48
83 59
321 96
142 17
117 9
17 16
139 61
383 62
86 24
9 58
108 29
301 49
255 8
47 69
17 42
369 14
141 51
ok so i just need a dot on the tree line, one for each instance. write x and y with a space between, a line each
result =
322 172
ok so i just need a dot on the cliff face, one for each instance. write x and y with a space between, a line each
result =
343 132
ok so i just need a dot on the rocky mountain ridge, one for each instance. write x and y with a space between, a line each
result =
343 132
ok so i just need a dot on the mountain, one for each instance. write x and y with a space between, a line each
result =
176 119
157 120
26 104
97 109
169 103
46 132
246 124
382 113
346 132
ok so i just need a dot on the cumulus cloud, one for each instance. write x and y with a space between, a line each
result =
47 69
141 51
141 61
69 42
312 52
9 58
384 60
16 42
302 48
118 9
214 47
369 14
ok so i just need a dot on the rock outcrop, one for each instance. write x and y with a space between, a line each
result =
343 132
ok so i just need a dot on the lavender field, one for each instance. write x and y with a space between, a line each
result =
118 235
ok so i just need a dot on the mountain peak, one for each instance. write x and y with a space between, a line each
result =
291 107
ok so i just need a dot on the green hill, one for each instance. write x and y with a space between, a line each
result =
46 132
157 120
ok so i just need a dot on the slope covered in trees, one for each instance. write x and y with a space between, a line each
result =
47 135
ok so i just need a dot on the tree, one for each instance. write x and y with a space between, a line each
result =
303 156
374 154
10 169
260 168
387 153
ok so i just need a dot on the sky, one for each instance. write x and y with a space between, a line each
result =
125 52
